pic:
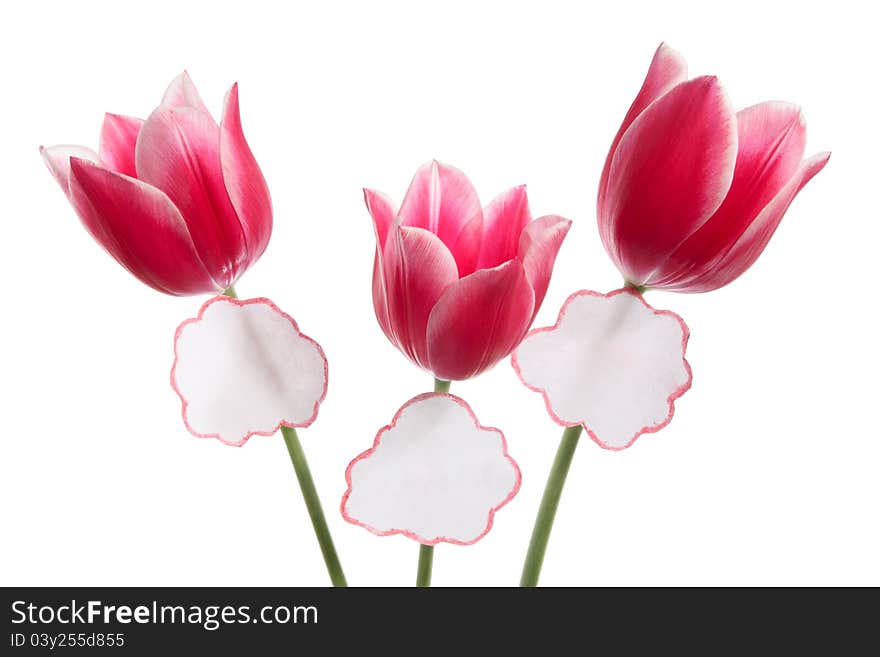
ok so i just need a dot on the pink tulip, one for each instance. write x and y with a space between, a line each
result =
692 192
456 286
177 200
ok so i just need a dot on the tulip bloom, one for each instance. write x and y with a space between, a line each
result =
692 192
456 286
177 200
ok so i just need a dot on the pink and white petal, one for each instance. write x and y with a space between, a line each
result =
466 249
771 140
668 68
245 184
479 320
243 368
140 227
57 158
383 211
538 246
418 269
380 300
435 474
183 93
754 240
118 138
443 201
178 151
670 172
504 220
611 363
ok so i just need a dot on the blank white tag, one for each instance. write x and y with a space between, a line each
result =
243 368
611 363
434 474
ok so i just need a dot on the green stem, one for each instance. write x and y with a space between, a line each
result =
426 552
641 289
426 562
313 504
230 292
549 504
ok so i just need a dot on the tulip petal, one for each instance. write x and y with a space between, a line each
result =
772 137
418 269
479 320
178 152
116 147
183 93
245 184
140 227
57 158
443 201
668 68
383 211
538 246
380 300
503 222
752 242
670 172
466 249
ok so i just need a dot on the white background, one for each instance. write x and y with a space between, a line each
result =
770 471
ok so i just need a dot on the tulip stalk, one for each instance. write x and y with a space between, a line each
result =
426 564
549 503
310 496
313 504
426 552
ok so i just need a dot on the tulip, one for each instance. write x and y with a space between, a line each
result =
692 191
456 286
177 200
